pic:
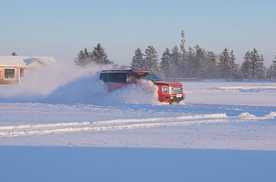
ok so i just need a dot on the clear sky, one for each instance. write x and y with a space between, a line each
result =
61 28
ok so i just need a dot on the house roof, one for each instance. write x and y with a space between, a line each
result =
29 60
24 61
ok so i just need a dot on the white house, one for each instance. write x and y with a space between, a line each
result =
13 68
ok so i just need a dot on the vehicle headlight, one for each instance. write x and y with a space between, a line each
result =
165 89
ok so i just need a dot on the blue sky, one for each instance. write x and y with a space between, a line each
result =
61 28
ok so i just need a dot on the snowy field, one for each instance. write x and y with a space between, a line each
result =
74 130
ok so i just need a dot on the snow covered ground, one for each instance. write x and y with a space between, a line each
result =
74 130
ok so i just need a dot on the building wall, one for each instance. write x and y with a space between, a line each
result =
4 80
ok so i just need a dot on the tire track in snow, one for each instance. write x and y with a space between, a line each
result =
124 124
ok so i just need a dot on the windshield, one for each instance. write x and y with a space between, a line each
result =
149 76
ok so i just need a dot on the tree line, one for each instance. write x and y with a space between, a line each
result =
97 56
194 63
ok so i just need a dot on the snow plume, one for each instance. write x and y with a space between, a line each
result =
68 83
54 83
145 92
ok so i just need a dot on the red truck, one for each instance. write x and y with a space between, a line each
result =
169 92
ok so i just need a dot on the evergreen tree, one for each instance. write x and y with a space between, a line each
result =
274 68
152 59
246 66
233 66
256 63
199 63
138 62
253 65
99 55
261 71
165 63
190 69
124 67
271 71
83 58
14 54
211 65
223 64
175 62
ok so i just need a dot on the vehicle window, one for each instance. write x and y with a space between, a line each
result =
117 77
104 77
130 78
149 76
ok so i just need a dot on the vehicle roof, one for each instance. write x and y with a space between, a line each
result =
126 71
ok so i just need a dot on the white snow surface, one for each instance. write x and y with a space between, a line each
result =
61 124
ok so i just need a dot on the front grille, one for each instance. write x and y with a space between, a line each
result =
175 90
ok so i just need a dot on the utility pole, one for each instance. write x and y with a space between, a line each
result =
182 45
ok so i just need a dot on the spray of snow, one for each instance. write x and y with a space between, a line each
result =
145 92
67 83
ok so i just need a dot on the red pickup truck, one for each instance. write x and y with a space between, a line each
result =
167 91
